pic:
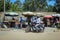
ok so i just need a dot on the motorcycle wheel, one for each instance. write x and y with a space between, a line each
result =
28 29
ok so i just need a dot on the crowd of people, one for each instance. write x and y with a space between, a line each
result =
36 21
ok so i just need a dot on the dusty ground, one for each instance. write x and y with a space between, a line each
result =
21 35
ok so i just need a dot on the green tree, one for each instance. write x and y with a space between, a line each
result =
34 5
1 5
26 5
54 9
13 7
8 5
50 8
18 4
58 5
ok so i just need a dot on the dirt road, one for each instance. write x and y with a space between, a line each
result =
21 35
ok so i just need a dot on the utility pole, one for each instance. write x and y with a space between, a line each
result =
4 11
4 6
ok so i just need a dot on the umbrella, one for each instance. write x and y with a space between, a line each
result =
28 14
48 16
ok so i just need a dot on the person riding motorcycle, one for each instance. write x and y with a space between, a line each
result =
36 22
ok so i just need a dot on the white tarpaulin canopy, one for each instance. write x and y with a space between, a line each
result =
11 14
58 15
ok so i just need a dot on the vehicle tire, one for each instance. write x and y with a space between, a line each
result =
28 29
41 29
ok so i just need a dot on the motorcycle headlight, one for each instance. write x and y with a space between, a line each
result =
26 23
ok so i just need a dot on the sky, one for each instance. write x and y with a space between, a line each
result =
49 3
15 0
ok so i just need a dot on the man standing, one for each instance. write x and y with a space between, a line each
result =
21 22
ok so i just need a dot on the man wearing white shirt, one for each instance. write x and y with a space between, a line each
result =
38 21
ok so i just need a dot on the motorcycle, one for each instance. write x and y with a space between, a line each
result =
31 27
39 28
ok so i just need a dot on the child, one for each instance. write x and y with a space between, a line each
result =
16 24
